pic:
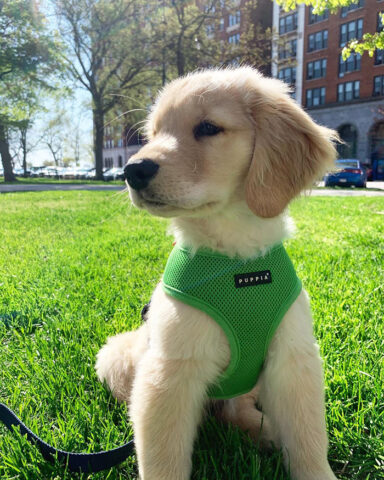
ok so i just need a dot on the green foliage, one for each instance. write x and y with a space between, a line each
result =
24 47
370 41
104 45
318 5
28 58
76 267
28 61
181 37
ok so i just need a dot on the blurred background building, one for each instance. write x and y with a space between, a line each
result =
344 95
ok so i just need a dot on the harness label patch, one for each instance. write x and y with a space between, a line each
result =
254 278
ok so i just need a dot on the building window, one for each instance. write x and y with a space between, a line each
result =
108 162
210 8
379 26
234 19
349 8
120 161
234 38
348 91
288 50
379 53
315 97
221 24
317 18
376 136
378 84
288 75
317 69
209 30
350 31
379 57
288 23
318 40
351 64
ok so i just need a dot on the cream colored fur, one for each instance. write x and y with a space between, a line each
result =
227 192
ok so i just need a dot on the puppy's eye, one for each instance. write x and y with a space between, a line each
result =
206 129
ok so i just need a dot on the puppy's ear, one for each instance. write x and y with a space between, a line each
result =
290 152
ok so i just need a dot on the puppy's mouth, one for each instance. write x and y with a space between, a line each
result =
168 208
155 203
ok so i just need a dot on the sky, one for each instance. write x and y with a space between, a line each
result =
77 108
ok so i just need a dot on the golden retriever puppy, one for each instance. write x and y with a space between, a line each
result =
227 151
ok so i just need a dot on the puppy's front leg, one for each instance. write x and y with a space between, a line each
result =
292 395
187 352
166 405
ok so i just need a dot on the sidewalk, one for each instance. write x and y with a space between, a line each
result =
374 189
36 187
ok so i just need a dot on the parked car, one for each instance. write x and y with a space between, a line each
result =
53 172
37 171
81 173
349 172
91 174
19 172
1 172
114 174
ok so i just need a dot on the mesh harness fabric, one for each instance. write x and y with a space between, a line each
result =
247 298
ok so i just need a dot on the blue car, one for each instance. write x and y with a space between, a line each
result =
348 173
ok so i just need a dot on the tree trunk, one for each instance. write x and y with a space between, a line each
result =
6 158
180 58
23 140
98 134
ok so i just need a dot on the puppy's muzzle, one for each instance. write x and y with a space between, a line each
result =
139 174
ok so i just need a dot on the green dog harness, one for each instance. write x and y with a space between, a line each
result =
247 298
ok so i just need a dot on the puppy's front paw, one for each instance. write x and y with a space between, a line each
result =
115 366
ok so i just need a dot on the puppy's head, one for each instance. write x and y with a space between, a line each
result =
220 136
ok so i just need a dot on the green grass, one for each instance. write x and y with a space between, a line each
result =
77 267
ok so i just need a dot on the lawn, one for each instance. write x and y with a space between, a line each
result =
77 267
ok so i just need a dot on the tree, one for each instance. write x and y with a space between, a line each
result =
20 131
19 144
106 53
185 35
54 135
16 119
27 59
370 41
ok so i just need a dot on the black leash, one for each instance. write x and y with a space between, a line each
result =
76 462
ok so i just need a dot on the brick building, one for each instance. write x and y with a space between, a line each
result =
344 95
120 143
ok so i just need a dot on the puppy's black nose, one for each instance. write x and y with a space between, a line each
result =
140 173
